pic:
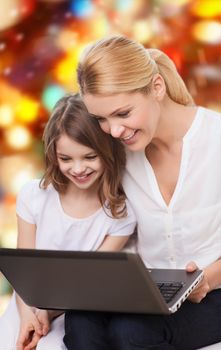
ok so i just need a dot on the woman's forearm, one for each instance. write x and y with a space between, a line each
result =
213 274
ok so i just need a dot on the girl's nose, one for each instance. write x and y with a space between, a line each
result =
116 130
78 168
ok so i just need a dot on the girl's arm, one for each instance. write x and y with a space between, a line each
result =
30 327
113 243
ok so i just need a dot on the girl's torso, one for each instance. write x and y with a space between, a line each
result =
55 229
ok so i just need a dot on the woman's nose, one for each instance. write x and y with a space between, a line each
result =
116 130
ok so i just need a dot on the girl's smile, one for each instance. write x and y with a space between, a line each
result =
80 164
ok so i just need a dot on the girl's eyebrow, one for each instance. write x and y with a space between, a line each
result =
62 154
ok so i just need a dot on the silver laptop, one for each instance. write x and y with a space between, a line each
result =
99 281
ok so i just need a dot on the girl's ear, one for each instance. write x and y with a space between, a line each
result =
158 87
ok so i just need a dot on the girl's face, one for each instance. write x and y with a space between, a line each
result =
80 164
133 118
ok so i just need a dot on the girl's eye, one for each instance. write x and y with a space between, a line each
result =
91 157
64 159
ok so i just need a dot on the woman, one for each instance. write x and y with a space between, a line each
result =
172 180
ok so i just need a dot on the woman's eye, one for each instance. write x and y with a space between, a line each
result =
100 120
123 114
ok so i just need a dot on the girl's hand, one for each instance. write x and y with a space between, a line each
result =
30 331
202 288
44 319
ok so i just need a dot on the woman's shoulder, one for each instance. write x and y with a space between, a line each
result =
210 114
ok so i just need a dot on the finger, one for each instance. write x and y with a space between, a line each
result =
24 337
37 327
46 329
191 266
33 343
45 324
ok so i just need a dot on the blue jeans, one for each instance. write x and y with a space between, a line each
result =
191 327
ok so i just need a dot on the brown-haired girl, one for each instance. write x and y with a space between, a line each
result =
78 205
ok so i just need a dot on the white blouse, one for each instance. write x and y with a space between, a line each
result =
189 228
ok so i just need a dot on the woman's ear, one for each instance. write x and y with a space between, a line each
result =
158 87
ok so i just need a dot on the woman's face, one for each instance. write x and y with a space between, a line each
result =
131 117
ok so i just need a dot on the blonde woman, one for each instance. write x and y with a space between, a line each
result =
172 180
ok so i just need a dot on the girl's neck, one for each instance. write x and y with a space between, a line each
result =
84 194
79 203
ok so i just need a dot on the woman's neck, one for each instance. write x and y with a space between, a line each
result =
174 123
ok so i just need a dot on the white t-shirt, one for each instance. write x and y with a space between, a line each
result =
189 228
57 230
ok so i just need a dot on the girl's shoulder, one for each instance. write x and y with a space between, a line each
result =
34 189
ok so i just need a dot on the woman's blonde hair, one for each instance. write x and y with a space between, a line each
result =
119 65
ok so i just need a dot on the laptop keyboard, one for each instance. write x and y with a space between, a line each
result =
169 289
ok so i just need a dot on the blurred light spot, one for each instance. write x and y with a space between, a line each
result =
207 31
27 110
18 137
206 8
66 40
51 95
7 71
2 46
123 5
6 116
82 8
142 31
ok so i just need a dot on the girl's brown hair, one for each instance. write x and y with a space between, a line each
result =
118 65
70 117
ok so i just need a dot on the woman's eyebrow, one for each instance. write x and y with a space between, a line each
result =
112 113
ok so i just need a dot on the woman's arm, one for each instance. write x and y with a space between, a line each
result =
211 280
113 243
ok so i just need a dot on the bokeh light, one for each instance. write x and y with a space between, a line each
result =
208 31
6 116
51 94
18 137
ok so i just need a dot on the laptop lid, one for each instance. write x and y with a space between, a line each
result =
99 281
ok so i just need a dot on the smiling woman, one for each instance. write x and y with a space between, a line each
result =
137 96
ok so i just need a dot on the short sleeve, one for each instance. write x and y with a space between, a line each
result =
25 202
124 226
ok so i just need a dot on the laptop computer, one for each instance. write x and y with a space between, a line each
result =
99 281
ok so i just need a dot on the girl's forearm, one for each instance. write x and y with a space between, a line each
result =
22 307
113 243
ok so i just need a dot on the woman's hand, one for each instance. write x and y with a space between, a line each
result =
202 288
30 330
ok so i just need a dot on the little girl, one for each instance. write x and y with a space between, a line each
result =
79 204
